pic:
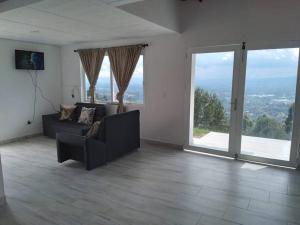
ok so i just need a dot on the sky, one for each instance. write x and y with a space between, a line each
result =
261 64
105 68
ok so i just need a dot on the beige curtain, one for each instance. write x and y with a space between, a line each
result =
123 61
91 60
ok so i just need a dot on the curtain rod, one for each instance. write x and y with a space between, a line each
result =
143 45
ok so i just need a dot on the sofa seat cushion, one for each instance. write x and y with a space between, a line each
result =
70 127
71 139
52 125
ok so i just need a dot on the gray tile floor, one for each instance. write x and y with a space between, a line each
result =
154 186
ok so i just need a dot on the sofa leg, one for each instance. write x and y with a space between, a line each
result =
88 169
94 165
62 160
62 156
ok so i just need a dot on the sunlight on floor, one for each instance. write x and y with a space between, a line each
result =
253 167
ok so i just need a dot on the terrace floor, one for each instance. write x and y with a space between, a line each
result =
253 146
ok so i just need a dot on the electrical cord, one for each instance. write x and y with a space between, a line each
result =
35 95
34 80
43 96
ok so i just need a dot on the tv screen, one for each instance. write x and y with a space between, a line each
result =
27 60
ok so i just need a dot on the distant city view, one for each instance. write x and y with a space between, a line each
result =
134 93
270 89
262 96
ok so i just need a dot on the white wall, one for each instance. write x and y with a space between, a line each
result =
164 13
162 113
216 22
17 92
212 22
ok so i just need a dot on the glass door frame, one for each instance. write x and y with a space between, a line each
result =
238 91
189 106
296 124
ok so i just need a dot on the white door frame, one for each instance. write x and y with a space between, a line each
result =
296 123
189 117
238 89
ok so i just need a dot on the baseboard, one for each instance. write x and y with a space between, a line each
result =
161 143
2 201
19 138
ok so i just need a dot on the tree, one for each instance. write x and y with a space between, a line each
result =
208 111
289 120
268 127
247 124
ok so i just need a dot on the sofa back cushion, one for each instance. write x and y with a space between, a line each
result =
99 112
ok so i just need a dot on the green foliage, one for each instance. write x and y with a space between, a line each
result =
289 120
209 112
200 132
210 115
269 128
247 123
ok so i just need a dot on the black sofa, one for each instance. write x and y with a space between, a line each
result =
52 124
118 135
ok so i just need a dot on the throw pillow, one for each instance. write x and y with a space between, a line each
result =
86 116
93 131
66 112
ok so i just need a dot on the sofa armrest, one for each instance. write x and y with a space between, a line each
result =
95 153
122 133
48 121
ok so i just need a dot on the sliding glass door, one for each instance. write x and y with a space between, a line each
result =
243 103
269 104
213 71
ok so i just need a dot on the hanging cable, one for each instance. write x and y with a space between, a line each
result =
43 96
34 80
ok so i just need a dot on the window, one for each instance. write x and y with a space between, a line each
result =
107 89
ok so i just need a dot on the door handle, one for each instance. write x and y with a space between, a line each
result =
234 103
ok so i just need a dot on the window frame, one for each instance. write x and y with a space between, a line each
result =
112 100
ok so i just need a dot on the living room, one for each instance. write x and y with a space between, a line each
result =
186 170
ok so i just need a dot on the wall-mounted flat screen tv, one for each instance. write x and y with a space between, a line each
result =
28 60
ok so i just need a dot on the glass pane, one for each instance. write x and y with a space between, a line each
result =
270 89
212 101
103 88
135 91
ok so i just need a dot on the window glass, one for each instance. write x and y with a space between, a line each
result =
104 93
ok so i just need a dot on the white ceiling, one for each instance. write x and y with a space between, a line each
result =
62 22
